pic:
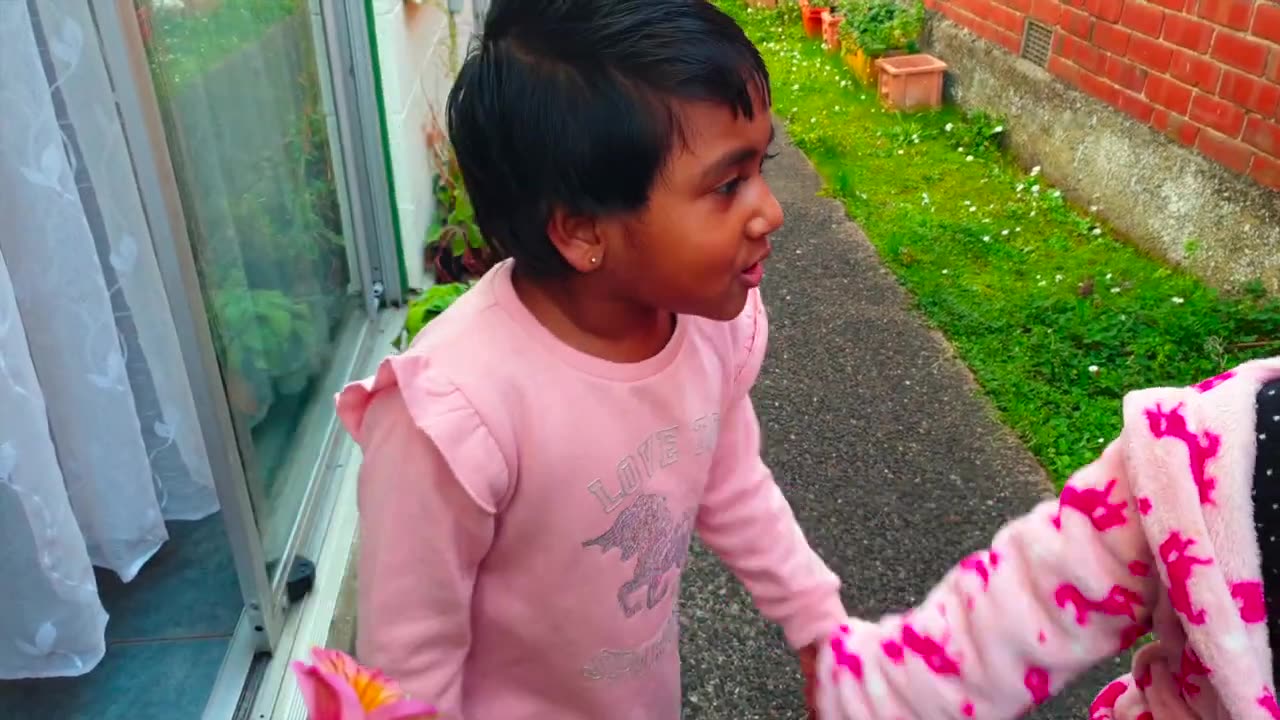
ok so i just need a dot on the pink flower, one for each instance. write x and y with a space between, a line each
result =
336 687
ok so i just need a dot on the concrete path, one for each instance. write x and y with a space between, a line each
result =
896 468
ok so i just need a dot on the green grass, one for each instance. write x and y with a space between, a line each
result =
185 45
1055 315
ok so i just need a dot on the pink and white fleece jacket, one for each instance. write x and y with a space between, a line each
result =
1157 534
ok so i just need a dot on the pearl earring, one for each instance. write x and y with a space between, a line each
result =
594 260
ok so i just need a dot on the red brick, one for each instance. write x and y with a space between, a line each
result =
1250 93
1135 107
1188 32
1266 171
1143 18
1234 14
1240 52
1175 126
1266 22
960 17
1234 155
1099 88
991 33
1005 19
1263 135
1082 53
1022 6
1125 74
1111 38
1273 72
1195 71
1174 5
1076 23
951 12
1046 11
1218 114
1151 54
1063 69
1010 42
1108 10
976 8
1169 94
1080 79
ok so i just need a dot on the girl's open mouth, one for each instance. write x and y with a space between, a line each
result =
752 276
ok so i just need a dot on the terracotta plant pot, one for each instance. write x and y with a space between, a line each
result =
861 64
812 16
804 5
911 82
831 31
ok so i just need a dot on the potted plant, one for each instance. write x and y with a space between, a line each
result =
427 307
456 249
811 15
873 29
831 21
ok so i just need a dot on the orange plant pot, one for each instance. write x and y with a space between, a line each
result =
861 65
831 31
804 5
911 82
813 21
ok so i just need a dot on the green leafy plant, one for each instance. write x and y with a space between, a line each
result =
456 249
269 327
979 133
882 26
428 307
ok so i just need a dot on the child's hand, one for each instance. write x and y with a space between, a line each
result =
808 668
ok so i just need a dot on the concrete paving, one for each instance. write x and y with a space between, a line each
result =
894 464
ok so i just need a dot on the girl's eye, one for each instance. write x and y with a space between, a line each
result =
730 187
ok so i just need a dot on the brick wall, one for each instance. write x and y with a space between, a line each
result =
1204 72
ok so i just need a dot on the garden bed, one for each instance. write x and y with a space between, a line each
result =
1056 316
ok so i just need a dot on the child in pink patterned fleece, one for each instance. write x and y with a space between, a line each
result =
1174 529
537 462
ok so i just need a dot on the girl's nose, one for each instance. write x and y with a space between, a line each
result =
767 218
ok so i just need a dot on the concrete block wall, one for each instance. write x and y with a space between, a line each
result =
1204 72
417 68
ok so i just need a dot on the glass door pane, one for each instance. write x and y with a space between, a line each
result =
248 131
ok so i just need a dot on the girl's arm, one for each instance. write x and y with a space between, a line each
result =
1069 584
422 537
748 523
744 517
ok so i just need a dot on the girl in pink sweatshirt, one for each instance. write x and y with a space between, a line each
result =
1173 530
536 463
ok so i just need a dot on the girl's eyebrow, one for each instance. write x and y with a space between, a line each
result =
733 158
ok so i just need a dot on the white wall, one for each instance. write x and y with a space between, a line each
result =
413 54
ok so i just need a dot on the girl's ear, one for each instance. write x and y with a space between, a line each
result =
578 238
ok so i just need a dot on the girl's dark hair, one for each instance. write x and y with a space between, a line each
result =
571 104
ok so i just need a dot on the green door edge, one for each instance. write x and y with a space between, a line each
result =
385 131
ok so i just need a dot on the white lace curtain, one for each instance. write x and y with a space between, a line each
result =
99 443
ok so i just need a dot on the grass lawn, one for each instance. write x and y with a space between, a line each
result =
1055 315
186 45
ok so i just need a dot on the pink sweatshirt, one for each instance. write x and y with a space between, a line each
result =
1157 533
526 512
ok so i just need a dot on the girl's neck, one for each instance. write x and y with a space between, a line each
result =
581 314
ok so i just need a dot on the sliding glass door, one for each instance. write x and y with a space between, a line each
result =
196 232
241 92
